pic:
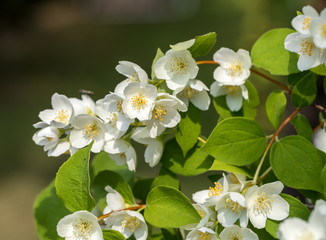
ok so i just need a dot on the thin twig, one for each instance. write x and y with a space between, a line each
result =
130 208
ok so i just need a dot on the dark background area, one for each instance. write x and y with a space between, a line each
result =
49 46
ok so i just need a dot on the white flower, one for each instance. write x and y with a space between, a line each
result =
234 67
61 113
154 148
314 229
176 67
196 92
133 72
234 94
202 233
318 29
319 139
301 23
109 109
236 181
128 223
114 200
265 202
122 152
87 128
208 217
231 207
81 225
84 106
310 54
235 232
139 99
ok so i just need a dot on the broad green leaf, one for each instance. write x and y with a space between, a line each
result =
275 106
248 111
253 94
73 182
302 126
297 209
269 53
114 180
304 91
189 120
203 44
102 161
158 55
166 178
141 188
223 110
194 163
221 166
166 207
236 141
171 233
319 70
48 210
297 163
109 234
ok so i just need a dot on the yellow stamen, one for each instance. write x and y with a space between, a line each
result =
62 116
179 66
134 77
235 69
236 236
263 204
159 112
204 236
306 23
131 222
215 191
119 105
233 178
323 30
189 92
91 130
49 139
138 101
234 206
232 90
82 229
307 47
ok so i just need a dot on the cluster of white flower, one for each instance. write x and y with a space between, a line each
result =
232 199
310 39
72 123
314 229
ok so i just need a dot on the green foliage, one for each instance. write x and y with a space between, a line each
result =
73 182
141 188
109 234
194 163
115 181
166 178
269 53
236 141
297 209
304 91
275 106
203 44
221 166
167 207
325 85
302 125
297 163
189 120
319 70
48 210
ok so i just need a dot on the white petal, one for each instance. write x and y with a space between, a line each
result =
62 147
234 102
183 45
291 228
258 221
200 196
153 153
201 100
217 89
47 115
78 140
280 209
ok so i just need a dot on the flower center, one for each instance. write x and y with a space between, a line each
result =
234 206
134 77
179 65
306 23
62 116
323 30
235 69
112 119
119 105
232 90
82 229
131 222
189 92
235 236
233 178
204 236
307 47
49 138
159 112
201 213
215 191
306 235
138 101
263 204
91 130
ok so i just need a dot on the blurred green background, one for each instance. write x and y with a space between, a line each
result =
49 46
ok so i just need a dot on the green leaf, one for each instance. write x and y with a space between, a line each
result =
223 110
158 55
73 182
189 120
304 91
102 161
166 178
48 210
166 207
297 163
114 180
221 166
296 77
269 53
141 188
171 233
253 94
275 106
236 141
297 209
302 126
323 179
109 234
203 44
325 85
319 70
194 163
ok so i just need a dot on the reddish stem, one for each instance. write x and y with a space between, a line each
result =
130 208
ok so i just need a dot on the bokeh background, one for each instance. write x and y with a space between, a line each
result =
49 46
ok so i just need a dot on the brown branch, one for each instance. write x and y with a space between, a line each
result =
319 126
207 62
130 208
